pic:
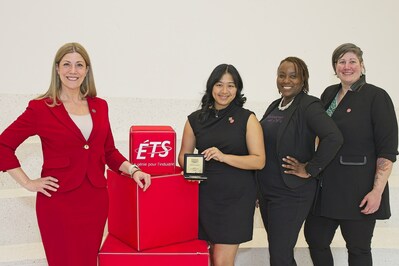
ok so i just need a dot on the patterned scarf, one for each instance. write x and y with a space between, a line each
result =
332 106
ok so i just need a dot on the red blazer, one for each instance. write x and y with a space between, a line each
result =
67 155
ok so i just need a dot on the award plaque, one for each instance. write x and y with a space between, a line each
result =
194 166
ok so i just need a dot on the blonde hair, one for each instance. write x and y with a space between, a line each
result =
88 87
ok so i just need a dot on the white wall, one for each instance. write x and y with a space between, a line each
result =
151 60
155 56
167 49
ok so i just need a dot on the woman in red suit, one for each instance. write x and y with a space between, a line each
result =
77 142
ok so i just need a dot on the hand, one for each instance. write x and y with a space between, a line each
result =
213 153
371 202
42 185
138 176
190 180
295 167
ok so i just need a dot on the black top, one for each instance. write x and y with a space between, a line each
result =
270 126
227 198
367 120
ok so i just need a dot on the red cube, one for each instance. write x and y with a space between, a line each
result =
153 149
165 214
193 253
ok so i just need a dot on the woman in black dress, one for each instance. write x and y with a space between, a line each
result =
231 139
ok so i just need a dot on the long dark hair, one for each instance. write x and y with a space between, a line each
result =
207 102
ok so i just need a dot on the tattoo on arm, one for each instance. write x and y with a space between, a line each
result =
384 169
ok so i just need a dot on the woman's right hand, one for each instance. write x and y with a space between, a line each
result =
213 153
42 185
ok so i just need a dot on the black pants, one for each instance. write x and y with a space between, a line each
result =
283 212
320 231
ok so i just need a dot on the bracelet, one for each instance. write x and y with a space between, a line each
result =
137 170
132 171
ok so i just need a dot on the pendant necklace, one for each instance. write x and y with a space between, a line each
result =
282 108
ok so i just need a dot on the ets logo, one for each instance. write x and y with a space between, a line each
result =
152 149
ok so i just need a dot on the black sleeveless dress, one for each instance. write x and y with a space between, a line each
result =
227 198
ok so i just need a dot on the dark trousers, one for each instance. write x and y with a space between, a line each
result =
283 212
320 231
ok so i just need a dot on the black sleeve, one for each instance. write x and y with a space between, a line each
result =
330 137
385 126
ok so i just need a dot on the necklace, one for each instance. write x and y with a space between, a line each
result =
216 113
282 108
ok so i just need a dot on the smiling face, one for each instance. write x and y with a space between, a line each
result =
348 68
224 91
289 82
72 70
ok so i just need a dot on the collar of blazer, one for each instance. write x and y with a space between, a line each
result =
62 115
329 94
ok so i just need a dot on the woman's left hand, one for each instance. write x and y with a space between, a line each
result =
213 153
140 176
371 202
294 167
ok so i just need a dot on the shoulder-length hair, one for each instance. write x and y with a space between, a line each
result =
88 87
207 102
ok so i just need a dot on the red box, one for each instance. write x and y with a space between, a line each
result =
165 214
193 253
153 149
